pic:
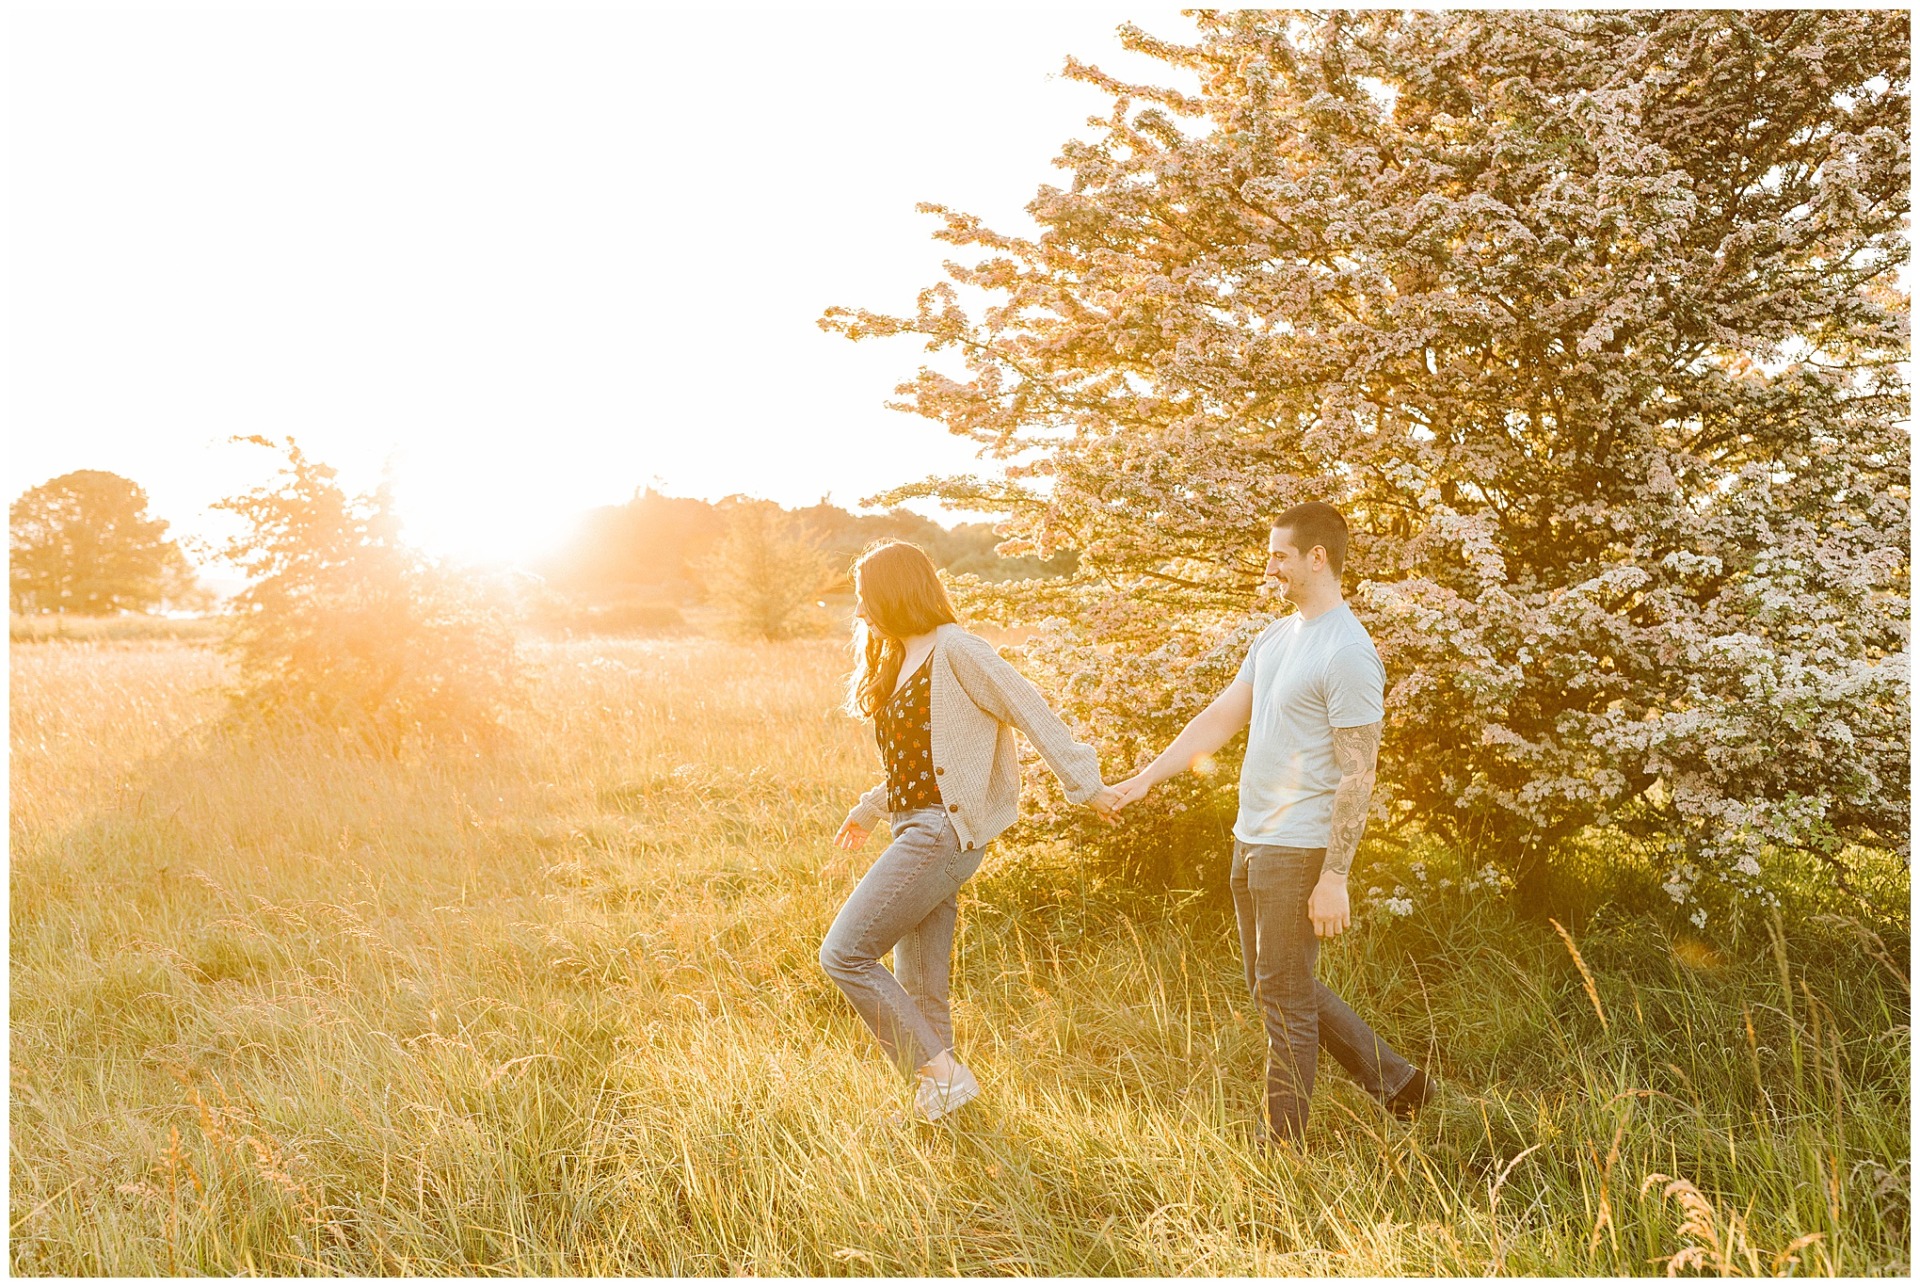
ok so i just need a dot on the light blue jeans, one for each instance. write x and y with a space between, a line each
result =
907 902
1271 885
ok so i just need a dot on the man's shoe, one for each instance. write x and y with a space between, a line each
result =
1411 1097
936 1099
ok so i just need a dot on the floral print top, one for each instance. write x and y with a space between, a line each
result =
905 733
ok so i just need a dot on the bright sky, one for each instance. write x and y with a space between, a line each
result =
527 260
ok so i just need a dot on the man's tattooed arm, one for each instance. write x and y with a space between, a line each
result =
1355 750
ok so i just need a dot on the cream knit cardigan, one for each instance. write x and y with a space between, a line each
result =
978 700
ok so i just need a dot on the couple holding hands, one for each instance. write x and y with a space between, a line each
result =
944 705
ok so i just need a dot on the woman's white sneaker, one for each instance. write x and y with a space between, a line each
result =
936 1099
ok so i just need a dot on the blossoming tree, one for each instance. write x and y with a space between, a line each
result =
1589 321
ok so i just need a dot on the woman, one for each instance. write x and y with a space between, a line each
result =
944 705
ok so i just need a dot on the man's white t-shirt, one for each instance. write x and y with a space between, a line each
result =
1309 678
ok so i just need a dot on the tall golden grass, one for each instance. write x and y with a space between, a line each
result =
557 1010
60 628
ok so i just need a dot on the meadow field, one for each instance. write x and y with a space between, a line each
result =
555 1009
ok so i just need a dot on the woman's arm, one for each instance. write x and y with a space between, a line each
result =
997 688
869 813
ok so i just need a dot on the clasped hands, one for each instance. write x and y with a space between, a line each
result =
1108 801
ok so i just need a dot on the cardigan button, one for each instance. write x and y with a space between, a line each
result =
953 808
939 768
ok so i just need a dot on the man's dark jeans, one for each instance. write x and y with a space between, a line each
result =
1271 884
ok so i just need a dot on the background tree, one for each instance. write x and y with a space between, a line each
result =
346 629
1588 320
963 549
84 543
764 570
652 541
656 546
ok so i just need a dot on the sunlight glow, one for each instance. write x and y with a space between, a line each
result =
488 253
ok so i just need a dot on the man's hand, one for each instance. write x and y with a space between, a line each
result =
1327 906
1106 803
1133 789
851 835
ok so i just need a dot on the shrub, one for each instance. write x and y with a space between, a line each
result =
346 629
763 571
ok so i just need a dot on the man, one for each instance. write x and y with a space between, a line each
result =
1311 694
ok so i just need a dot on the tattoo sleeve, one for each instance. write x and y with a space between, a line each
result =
1356 751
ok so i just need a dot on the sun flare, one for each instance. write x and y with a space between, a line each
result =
488 525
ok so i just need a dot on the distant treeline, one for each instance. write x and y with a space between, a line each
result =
659 544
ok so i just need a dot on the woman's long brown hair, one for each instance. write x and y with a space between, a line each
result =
903 595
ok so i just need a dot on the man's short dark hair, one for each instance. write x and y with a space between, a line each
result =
1314 523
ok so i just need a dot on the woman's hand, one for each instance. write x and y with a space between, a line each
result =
1106 803
851 835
